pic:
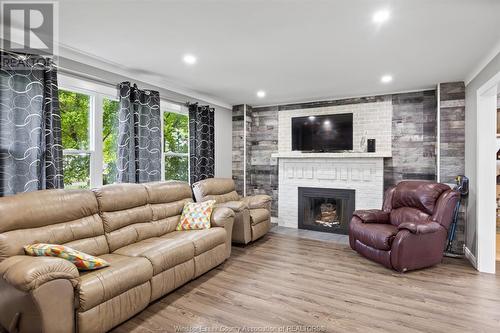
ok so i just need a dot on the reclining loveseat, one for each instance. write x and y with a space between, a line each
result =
252 213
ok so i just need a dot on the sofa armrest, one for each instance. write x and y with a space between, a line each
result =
27 273
236 206
372 216
420 228
224 217
258 201
221 216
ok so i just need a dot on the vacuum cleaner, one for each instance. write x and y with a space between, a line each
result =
462 186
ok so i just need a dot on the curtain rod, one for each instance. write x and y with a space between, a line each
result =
93 78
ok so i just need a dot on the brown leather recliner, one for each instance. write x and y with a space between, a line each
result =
252 213
132 226
410 230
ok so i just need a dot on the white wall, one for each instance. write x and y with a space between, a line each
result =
223 142
471 133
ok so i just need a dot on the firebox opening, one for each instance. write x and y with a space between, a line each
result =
325 209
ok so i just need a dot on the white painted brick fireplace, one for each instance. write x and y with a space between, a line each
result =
365 175
356 170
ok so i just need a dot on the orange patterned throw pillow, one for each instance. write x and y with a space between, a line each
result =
196 215
82 261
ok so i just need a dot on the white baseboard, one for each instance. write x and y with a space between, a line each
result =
470 257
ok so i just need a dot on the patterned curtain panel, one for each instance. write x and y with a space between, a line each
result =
30 125
139 135
201 142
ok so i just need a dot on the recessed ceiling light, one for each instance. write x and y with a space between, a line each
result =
386 79
381 16
261 94
189 59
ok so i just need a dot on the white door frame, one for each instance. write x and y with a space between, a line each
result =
486 174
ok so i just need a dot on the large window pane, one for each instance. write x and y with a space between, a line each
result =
176 138
76 171
175 132
176 167
75 118
109 138
75 112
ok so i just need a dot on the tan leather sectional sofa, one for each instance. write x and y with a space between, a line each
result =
132 226
252 213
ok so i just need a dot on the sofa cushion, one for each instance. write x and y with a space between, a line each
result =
167 200
407 214
218 189
203 240
135 249
168 191
378 236
236 206
163 253
124 273
259 215
66 217
417 194
126 214
257 201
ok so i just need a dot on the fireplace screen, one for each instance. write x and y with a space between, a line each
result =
325 209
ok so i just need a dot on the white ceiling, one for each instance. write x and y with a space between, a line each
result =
294 50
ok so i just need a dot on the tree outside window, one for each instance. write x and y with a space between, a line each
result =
78 149
75 116
110 140
176 140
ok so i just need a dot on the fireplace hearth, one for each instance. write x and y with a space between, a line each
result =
325 209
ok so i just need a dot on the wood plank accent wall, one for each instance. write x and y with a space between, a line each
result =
413 140
262 169
238 142
249 153
452 150
452 145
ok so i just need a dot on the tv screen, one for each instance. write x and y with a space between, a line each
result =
322 133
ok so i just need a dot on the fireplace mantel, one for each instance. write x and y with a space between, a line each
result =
295 154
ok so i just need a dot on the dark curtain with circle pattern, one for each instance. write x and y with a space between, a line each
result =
201 142
139 135
30 125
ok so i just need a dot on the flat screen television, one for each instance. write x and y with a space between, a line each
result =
324 133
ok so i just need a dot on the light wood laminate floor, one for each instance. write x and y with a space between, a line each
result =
285 280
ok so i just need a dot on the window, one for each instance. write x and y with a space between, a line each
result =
176 139
75 119
110 109
89 121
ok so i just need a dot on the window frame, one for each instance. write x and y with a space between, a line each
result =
91 149
97 93
100 163
166 106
